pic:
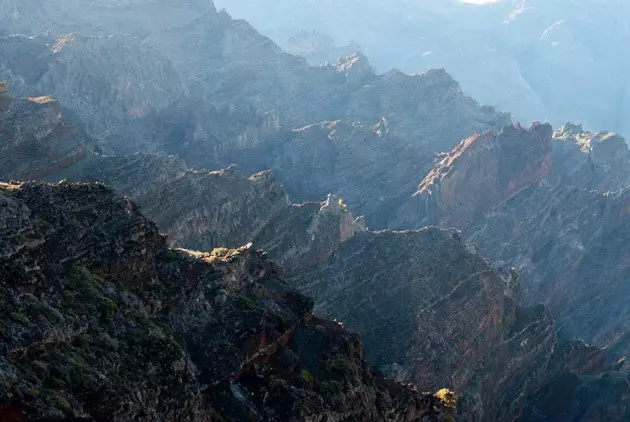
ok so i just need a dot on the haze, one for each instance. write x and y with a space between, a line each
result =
553 61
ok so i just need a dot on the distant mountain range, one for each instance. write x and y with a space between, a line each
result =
543 60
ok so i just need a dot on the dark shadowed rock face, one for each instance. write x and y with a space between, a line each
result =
102 322
431 311
454 324
570 253
582 386
34 139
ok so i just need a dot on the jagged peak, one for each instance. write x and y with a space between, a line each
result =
356 64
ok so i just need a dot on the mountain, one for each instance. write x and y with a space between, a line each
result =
318 48
104 81
231 67
540 59
34 139
100 320
529 199
433 312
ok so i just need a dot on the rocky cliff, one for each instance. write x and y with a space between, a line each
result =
233 67
34 139
482 172
455 325
105 81
598 161
537 58
530 200
102 322
458 323
368 166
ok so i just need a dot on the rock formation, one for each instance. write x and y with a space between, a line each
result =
540 59
233 67
527 200
598 161
453 323
34 139
100 321
105 81
318 48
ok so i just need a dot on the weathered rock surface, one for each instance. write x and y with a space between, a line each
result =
318 48
581 386
34 139
102 322
457 323
105 81
454 324
368 166
598 161
233 67
529 200
305 234
482 172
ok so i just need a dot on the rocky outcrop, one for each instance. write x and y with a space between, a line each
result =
570 253
233 67
528 201
318 48
102 322
433 312
34 139
105 81
598 161
482 172
454 324
302 235
204 209
368 166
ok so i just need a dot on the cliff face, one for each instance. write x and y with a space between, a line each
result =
531 201
368 166
302 235
34 139
598 161
455 326
482 172
105 81
232 67
102 321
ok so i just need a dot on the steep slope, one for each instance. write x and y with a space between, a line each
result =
368 166
305 234
598 161
34 139
233 67
105 81
547 59
102 322
526 200
482 172
432 313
